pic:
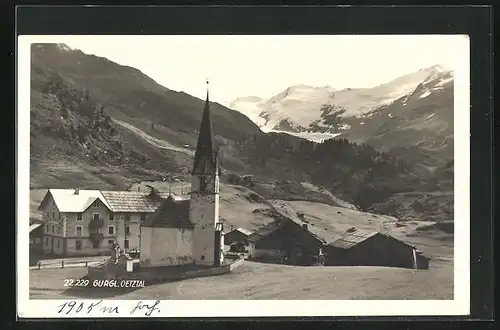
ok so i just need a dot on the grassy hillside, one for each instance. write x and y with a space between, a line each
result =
97 124
126 92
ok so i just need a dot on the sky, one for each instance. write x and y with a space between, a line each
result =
263 66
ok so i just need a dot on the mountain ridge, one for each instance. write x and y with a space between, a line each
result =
77 100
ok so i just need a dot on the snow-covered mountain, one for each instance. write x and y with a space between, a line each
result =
319 113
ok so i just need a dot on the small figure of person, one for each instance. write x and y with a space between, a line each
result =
321 257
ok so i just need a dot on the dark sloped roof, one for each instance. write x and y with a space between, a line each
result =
324 233
353 238
131 201
266 230
242 230
205 155
172 213
283 213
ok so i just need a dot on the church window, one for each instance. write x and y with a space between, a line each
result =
203 184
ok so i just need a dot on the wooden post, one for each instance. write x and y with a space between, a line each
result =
62 264
86 263
39 264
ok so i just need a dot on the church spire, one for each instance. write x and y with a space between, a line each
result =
204 158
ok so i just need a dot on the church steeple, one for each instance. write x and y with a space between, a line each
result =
205 158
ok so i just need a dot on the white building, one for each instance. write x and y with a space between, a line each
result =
188 231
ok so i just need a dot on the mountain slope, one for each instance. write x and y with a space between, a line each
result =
97 124
412 114
301 105
128 93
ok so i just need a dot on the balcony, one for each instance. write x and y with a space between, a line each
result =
96 236
96 223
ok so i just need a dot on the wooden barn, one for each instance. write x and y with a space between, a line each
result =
359 247
237 235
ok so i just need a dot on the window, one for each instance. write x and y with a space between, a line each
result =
78 245
60 217
111 230
111 242
127 217
46 227
58 242
203 184
126 244
127 230
52 229
111 216
59 229
96 216
79 217
143 216
53 215
79 230
202 257
97 204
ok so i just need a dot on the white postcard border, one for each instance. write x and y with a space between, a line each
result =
460 305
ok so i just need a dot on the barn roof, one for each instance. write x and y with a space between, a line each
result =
352 238
172 213
325 233
68 200
34 226
283 213
265 231
131 201
241 230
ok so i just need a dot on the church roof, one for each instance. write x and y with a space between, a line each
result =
205 158
172 213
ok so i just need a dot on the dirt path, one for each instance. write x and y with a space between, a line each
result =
159 143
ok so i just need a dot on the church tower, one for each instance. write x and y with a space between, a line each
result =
204 204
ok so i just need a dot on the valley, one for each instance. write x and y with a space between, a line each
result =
97 124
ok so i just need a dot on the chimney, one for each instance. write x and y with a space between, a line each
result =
77 191
304 226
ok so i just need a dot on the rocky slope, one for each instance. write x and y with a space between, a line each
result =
97 124
408 115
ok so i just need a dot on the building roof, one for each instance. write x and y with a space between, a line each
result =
205 157
35 226
131 201
266 230
172 213
283 213
352 238
324 233
68 201
116 201
241 230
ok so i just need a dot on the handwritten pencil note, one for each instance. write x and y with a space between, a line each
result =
100 308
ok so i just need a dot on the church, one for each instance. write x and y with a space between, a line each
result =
188 231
